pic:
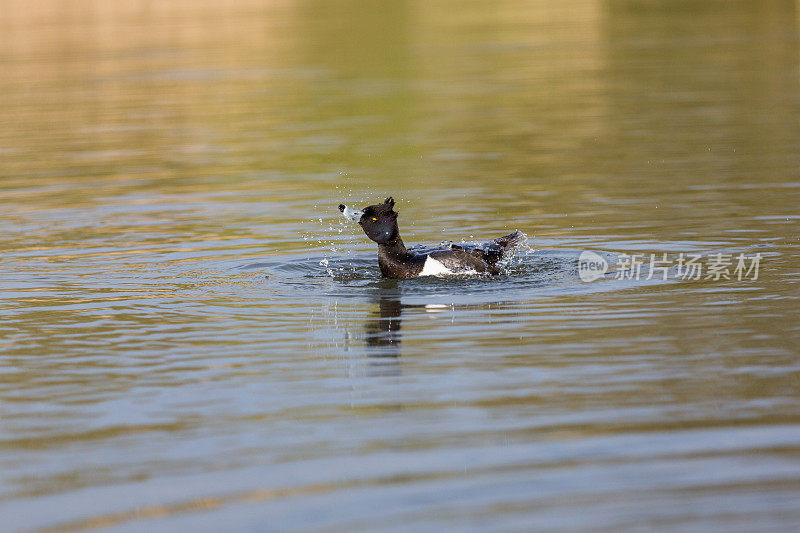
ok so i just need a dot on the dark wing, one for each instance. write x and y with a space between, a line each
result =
459 259
481 258
491 252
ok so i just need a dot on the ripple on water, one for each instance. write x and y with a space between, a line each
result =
529 274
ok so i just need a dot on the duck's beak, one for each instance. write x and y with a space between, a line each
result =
350 214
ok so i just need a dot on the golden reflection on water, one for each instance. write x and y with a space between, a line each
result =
169 175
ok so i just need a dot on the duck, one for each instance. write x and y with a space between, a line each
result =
379 223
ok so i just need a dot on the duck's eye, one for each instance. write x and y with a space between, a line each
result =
373 218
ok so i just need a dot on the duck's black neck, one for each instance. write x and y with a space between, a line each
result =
394 247
396 261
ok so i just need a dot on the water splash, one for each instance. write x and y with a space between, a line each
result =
351 214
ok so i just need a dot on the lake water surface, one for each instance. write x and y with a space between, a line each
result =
193 339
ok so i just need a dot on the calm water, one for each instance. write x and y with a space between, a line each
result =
192 339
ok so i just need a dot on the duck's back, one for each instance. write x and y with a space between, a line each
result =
446 259
454 261
482 258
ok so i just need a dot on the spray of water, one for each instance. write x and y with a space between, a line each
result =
351 214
